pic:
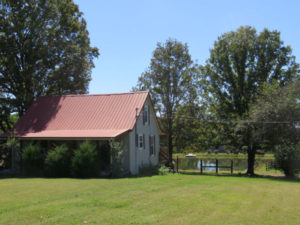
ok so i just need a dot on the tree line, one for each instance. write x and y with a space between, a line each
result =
245 97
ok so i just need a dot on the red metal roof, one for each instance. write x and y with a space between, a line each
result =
81 116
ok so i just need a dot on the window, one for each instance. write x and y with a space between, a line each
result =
145 115
141 141
152 145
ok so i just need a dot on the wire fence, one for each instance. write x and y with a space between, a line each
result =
212 165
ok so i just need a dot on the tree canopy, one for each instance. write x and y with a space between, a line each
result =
277 113
170 80
240 63
44 50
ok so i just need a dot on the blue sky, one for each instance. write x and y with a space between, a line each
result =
127 31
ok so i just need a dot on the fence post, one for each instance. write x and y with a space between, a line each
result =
201 168
177 163
231 166
216 165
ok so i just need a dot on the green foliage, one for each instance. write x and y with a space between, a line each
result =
187 127
5 155
45 50
287 158
58 162
170 80
163 170
274 116
117 156
7 120
239 65
32 159
85 162
9 150
105 156
276 112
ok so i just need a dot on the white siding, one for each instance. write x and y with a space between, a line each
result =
139 157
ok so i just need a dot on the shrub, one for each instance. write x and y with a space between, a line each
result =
57 162
5 154
85 161
287 158
163 170
32 160
117 155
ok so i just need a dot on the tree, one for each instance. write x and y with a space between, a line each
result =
287 158
187 127
170 80
239 65
7 119
44 50
276 115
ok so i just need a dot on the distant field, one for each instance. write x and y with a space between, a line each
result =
171 199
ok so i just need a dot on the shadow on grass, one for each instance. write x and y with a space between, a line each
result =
20 176
267 177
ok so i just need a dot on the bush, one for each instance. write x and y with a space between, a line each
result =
32 160
117 169
287 158
58 162
85 161
5 154
163 170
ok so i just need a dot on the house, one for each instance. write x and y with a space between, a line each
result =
126 117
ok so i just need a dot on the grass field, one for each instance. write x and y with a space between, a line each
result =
170 199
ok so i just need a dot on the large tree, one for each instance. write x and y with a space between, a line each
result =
170 80
276 113
44 50
276 116
240 63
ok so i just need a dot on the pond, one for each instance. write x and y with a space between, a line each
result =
194 164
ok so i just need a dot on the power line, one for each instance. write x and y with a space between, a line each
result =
231 121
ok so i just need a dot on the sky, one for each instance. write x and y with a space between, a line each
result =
127 31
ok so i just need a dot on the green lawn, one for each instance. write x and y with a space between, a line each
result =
171 199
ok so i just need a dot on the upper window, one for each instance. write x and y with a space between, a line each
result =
145 115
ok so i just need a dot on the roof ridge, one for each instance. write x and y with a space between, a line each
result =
88 95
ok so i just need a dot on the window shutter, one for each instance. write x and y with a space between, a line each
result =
144 144
136 140
150 145
154 150
149 114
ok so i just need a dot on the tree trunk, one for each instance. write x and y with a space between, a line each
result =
170 142
251 160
